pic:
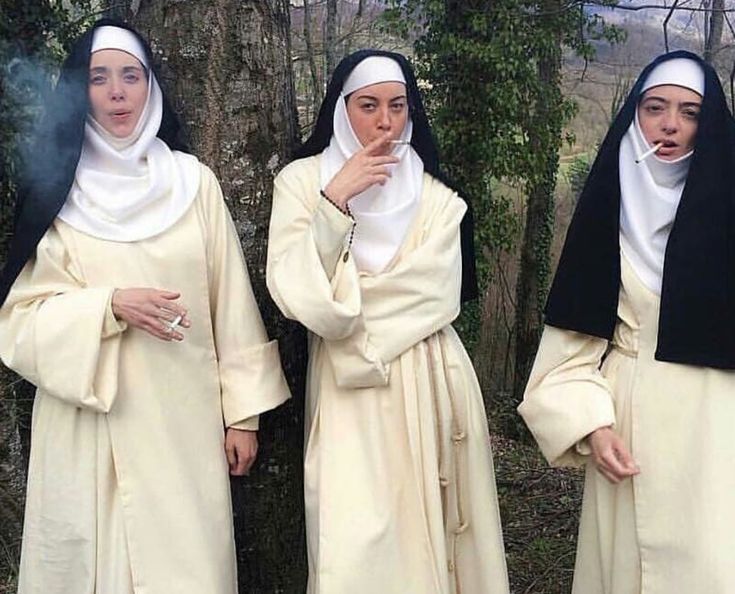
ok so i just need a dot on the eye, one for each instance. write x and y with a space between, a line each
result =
369 106
398 107
654 108
97 79
691 114
131 77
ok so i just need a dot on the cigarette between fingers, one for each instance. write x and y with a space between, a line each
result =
400 142
176 321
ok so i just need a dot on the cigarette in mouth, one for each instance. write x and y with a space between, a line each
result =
400 142
649 152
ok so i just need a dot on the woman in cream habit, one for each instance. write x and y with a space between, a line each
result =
365 250
634 374
128 304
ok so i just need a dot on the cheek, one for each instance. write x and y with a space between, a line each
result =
96 99
139 95
690 133
648 125
401 119
362 125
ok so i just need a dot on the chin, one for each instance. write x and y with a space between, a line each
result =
119 132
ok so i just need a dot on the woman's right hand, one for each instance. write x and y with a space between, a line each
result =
365 168
611 456
152 310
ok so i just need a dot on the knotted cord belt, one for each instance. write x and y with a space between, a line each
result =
458 437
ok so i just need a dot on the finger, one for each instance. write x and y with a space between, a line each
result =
153 325
383 160
163 331
241 466
177 309
625 458
168 315
175 319
381 170
377 144
168 294
231 457
612 463
609 476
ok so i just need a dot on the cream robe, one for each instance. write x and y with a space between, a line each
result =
671 529
399 483
128 483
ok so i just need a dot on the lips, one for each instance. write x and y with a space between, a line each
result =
120 114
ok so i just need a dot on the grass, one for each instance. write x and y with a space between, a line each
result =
540 508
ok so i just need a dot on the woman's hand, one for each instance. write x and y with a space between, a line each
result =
241 447
364 169
611 455
152 310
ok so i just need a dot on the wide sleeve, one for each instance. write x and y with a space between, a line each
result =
567 397
251 377
59 333
420 294
307 237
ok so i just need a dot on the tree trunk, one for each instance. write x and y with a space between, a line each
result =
545 138
330 39
316 87
227 66
713 38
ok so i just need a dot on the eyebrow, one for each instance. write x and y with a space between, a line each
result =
376 99
103 69
683 103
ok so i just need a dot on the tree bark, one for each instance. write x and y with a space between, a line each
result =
330 39
545 138
316 87
713 39
227 67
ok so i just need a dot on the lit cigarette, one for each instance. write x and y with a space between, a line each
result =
400 142
176 321
649 152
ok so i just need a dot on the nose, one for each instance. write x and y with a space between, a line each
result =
670 122
116 89
384 122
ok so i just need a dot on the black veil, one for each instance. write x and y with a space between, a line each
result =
697 317
52 159
422 142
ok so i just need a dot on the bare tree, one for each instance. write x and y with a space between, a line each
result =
713 30
316 87
330 39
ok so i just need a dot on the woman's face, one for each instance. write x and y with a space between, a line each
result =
377 110
118 89
669 115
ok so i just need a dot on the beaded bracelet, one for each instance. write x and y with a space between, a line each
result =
343 209
346 210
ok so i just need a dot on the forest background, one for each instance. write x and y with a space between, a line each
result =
519 93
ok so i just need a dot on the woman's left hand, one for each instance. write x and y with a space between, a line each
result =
241 447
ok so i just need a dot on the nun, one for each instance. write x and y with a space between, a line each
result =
367 250
634 374
126 301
